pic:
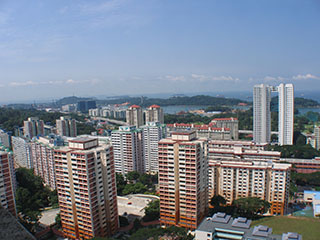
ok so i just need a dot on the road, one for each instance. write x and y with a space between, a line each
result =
118 122
251 132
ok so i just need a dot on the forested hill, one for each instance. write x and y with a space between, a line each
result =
195 100
71 100
298 103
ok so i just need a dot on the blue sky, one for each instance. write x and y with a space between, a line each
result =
51 49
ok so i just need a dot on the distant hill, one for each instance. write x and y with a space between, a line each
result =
298 103
71 100
177 100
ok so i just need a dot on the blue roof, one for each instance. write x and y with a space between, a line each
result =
310 192
317 196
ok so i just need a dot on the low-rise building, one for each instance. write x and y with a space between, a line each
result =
223 226
313 197
202 131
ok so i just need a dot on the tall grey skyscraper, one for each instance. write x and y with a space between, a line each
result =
261 113
286 114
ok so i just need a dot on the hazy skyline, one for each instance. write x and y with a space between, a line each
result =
51 49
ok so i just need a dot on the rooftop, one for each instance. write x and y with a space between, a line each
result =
224 226
10 228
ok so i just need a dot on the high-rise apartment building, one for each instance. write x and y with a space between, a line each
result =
22 152
230 123
42 154
239 179
261 113
154 113
86 186
127 145
33 127
183 180
5 138
66 126
286 114
7 182
134 116
152 133
316 140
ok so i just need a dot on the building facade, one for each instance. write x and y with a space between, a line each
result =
42 154
286 114
7 182
202 131
239 179
230 123
261 114
183 180
86 186
66 127
5 138
127 145
152 133
134 116
22 152
154 113
33 127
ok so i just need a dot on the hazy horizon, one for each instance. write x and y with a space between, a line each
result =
52 49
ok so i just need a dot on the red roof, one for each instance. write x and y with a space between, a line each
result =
183 124
154 106
135 106
225 119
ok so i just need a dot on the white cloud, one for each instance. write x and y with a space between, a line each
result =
27 83
70 81
225 78
199 77
176 78
306 76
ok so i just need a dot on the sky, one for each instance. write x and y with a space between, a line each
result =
52 49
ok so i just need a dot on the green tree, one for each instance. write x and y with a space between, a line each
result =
217 201
250 207
31 194
134 175
152 211
58 220
121 183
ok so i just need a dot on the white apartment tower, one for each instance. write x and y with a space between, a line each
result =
66 127
42 153
154 113
127 145
22 152
261 114
152 133
286 114
134 116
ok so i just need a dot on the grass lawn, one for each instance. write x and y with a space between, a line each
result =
309 228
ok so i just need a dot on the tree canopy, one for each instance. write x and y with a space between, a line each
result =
32 195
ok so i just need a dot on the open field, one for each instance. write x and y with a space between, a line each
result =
308 227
